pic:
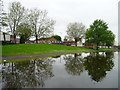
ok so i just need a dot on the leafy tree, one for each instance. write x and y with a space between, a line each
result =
65 38
57 37
96 32
15 15
109 38
24 31
42 26
76 31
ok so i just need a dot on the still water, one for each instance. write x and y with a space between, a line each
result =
80 70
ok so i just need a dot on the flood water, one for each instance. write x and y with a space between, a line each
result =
80 70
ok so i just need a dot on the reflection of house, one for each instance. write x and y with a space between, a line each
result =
47 40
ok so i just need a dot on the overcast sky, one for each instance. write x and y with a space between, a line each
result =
66 11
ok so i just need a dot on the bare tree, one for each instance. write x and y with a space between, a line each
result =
15 15
76 31
41 25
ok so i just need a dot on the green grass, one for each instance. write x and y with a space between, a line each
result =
25 49
106 49
31 49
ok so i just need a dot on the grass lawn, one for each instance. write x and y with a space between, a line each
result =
31 49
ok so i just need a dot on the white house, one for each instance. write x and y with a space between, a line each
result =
4 36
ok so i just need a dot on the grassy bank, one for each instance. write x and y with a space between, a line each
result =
30 49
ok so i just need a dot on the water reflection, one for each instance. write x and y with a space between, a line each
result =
35 73
97 65
28 74
73 64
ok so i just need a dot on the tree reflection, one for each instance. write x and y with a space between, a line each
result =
97 65
73 64
27 74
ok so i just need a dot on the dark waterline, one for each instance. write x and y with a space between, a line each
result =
83 70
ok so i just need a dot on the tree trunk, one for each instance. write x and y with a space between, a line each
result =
14 38
36 38
97 46
76 42
4 36
22 39
14 35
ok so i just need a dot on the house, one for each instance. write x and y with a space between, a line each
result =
47 40
52 40
5 37
12 39
69 43
89 45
